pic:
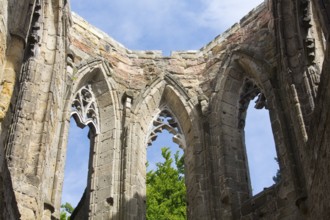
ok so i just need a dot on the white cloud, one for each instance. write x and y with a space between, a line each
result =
130 32
166 25
219 14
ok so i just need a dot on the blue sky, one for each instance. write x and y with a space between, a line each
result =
170 25
260 148
163 24
75 174
154 152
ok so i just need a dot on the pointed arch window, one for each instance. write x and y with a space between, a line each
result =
84 111
164 127
261 152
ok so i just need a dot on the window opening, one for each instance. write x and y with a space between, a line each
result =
76 165
154 151
83 128
259 140
166 191
260 147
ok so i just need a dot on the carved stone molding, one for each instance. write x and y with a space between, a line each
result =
204 104
35 32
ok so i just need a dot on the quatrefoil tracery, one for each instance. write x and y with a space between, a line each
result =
166 121
85 108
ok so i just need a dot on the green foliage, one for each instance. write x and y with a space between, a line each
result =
66 209
63 216
166 190
277 177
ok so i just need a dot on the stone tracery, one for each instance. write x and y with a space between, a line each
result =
84 108
165 120
249 91
36 142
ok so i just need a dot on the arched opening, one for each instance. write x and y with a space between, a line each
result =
79 160
166 190
154 152
260 148
93 101
76 165
244 85
166 94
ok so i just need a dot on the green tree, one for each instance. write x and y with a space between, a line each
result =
166 190
277 177
66 209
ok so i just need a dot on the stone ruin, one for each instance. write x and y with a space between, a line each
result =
54 65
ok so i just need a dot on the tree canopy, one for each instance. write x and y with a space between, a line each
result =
166 190
277 176
66 209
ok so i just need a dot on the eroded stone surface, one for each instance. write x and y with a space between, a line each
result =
279 52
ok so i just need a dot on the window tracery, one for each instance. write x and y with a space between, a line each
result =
166 121
85 108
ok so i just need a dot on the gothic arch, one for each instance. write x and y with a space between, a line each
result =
228 127
164 93
94 77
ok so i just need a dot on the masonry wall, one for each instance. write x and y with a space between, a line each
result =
47 54
253 52
33 58
9 63
3 38
318 143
